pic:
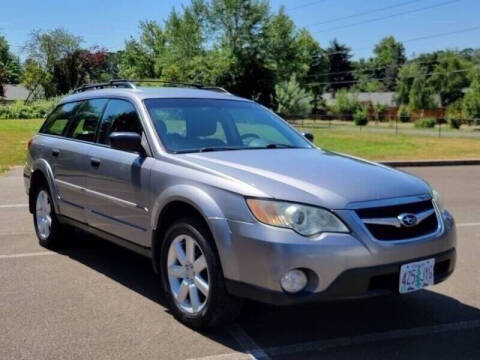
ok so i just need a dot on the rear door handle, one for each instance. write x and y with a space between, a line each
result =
95 162
55 152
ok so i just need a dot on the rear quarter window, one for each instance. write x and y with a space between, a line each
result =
57 122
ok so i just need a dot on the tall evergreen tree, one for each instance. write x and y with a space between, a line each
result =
340 66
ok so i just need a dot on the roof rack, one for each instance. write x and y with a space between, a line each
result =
117 83
129 84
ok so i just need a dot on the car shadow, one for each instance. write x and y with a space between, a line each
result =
272 327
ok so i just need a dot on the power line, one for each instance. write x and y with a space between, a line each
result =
306 5
365 13
443 34
390 16
411 40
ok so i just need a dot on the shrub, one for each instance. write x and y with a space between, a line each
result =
292 100
31 110
454 123
454 115
381 111
404 114
360 117
346 104
427 123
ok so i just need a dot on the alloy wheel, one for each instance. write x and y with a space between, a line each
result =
43 212
188 274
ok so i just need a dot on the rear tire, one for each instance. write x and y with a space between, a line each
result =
192 277
49 231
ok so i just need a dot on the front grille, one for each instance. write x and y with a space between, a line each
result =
391 233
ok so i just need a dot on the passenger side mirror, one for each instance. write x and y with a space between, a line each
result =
127 141
308 136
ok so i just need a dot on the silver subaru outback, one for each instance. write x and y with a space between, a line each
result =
230 202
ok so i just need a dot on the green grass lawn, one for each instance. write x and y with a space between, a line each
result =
14 135
376 146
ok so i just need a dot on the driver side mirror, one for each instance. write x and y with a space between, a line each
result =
309 136
127 141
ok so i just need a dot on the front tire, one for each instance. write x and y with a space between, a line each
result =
49 231
192 277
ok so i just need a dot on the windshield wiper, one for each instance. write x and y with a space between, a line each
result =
218 148
280 146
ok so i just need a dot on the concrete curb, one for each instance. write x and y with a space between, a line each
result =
407 163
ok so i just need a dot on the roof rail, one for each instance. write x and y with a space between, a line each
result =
117 83
197 86
129 84
216 89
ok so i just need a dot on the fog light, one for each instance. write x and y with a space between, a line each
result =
294 281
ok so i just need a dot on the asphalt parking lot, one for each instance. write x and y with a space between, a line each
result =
93 300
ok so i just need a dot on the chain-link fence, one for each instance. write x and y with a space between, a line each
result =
414 125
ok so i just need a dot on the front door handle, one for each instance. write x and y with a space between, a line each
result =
95 162
55 152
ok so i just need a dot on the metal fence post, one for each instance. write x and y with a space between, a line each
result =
396 125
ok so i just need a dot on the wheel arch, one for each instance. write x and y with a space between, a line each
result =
42 172
182 201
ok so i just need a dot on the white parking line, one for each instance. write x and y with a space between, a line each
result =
468 224
43 253
253 351
323 345
8 206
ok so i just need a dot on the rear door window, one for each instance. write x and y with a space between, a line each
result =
86 120
57 121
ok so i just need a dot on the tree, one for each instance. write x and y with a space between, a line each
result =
471 101
407 75
10 66
240 26
34 76
52 52
365 76
450 77
389 57
421 95
281 39
292 100
340 66
47 48
142 58
313 59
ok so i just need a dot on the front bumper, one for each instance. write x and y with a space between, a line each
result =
255 256
351 284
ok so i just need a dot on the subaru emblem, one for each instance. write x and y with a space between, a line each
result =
408 220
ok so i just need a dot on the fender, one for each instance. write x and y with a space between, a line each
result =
189 194
205 205
43 166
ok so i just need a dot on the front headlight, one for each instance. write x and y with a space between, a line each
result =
306 220
438 201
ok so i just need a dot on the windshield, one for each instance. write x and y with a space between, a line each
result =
196 125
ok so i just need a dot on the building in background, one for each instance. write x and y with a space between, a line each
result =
14 93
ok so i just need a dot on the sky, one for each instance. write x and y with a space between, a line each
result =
108 23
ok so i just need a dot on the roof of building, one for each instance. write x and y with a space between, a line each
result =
15 92
384 98
375 98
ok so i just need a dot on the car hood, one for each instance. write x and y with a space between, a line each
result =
311 176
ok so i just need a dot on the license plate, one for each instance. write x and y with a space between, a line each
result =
417 275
